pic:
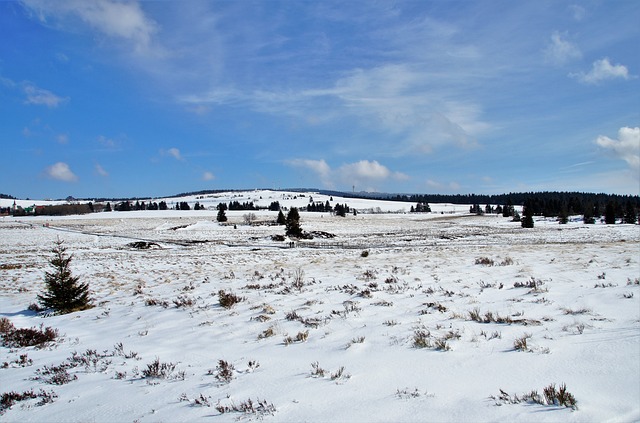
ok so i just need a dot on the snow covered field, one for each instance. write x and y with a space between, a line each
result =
444 312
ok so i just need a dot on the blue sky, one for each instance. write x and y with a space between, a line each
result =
110 98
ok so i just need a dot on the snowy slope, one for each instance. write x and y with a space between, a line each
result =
324 302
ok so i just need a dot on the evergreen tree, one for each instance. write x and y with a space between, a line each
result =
222 217
123 206
281 220
292 225
527 215
629 214
588 217
274 206
596 210
108 208
508 209
563 216
610 214
63 293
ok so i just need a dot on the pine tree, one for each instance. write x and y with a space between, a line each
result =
63 293
588 217
281 220
563 216
610 214
292 225
222 217
629 214
527 217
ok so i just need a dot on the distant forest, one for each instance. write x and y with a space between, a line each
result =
549 203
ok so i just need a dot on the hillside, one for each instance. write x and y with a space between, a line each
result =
441 316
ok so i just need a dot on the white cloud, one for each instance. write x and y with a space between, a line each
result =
62 138
602 70
626 147
61 172
34 94
208 176
406 103
358 173
42 97
122 20
561 51
578 12
101 171
403 102
368 171
172 152
319 167
108 143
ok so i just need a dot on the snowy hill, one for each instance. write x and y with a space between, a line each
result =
441 316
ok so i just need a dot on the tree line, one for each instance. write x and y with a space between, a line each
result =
546 203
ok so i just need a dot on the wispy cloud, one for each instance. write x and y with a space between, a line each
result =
120 20
368 171
172 152
101 171
626 147
602 70
42 97
62 138
577 167
402 103
108 143
560 51
208 176
319 167
60 171
578 12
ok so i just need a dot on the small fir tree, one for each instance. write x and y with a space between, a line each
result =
292 225
588 217
563 216
281 220
610 214
63 292
222 217
629 214
527 217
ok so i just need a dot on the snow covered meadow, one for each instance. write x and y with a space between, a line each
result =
405 317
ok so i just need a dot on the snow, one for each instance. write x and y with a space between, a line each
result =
583 320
